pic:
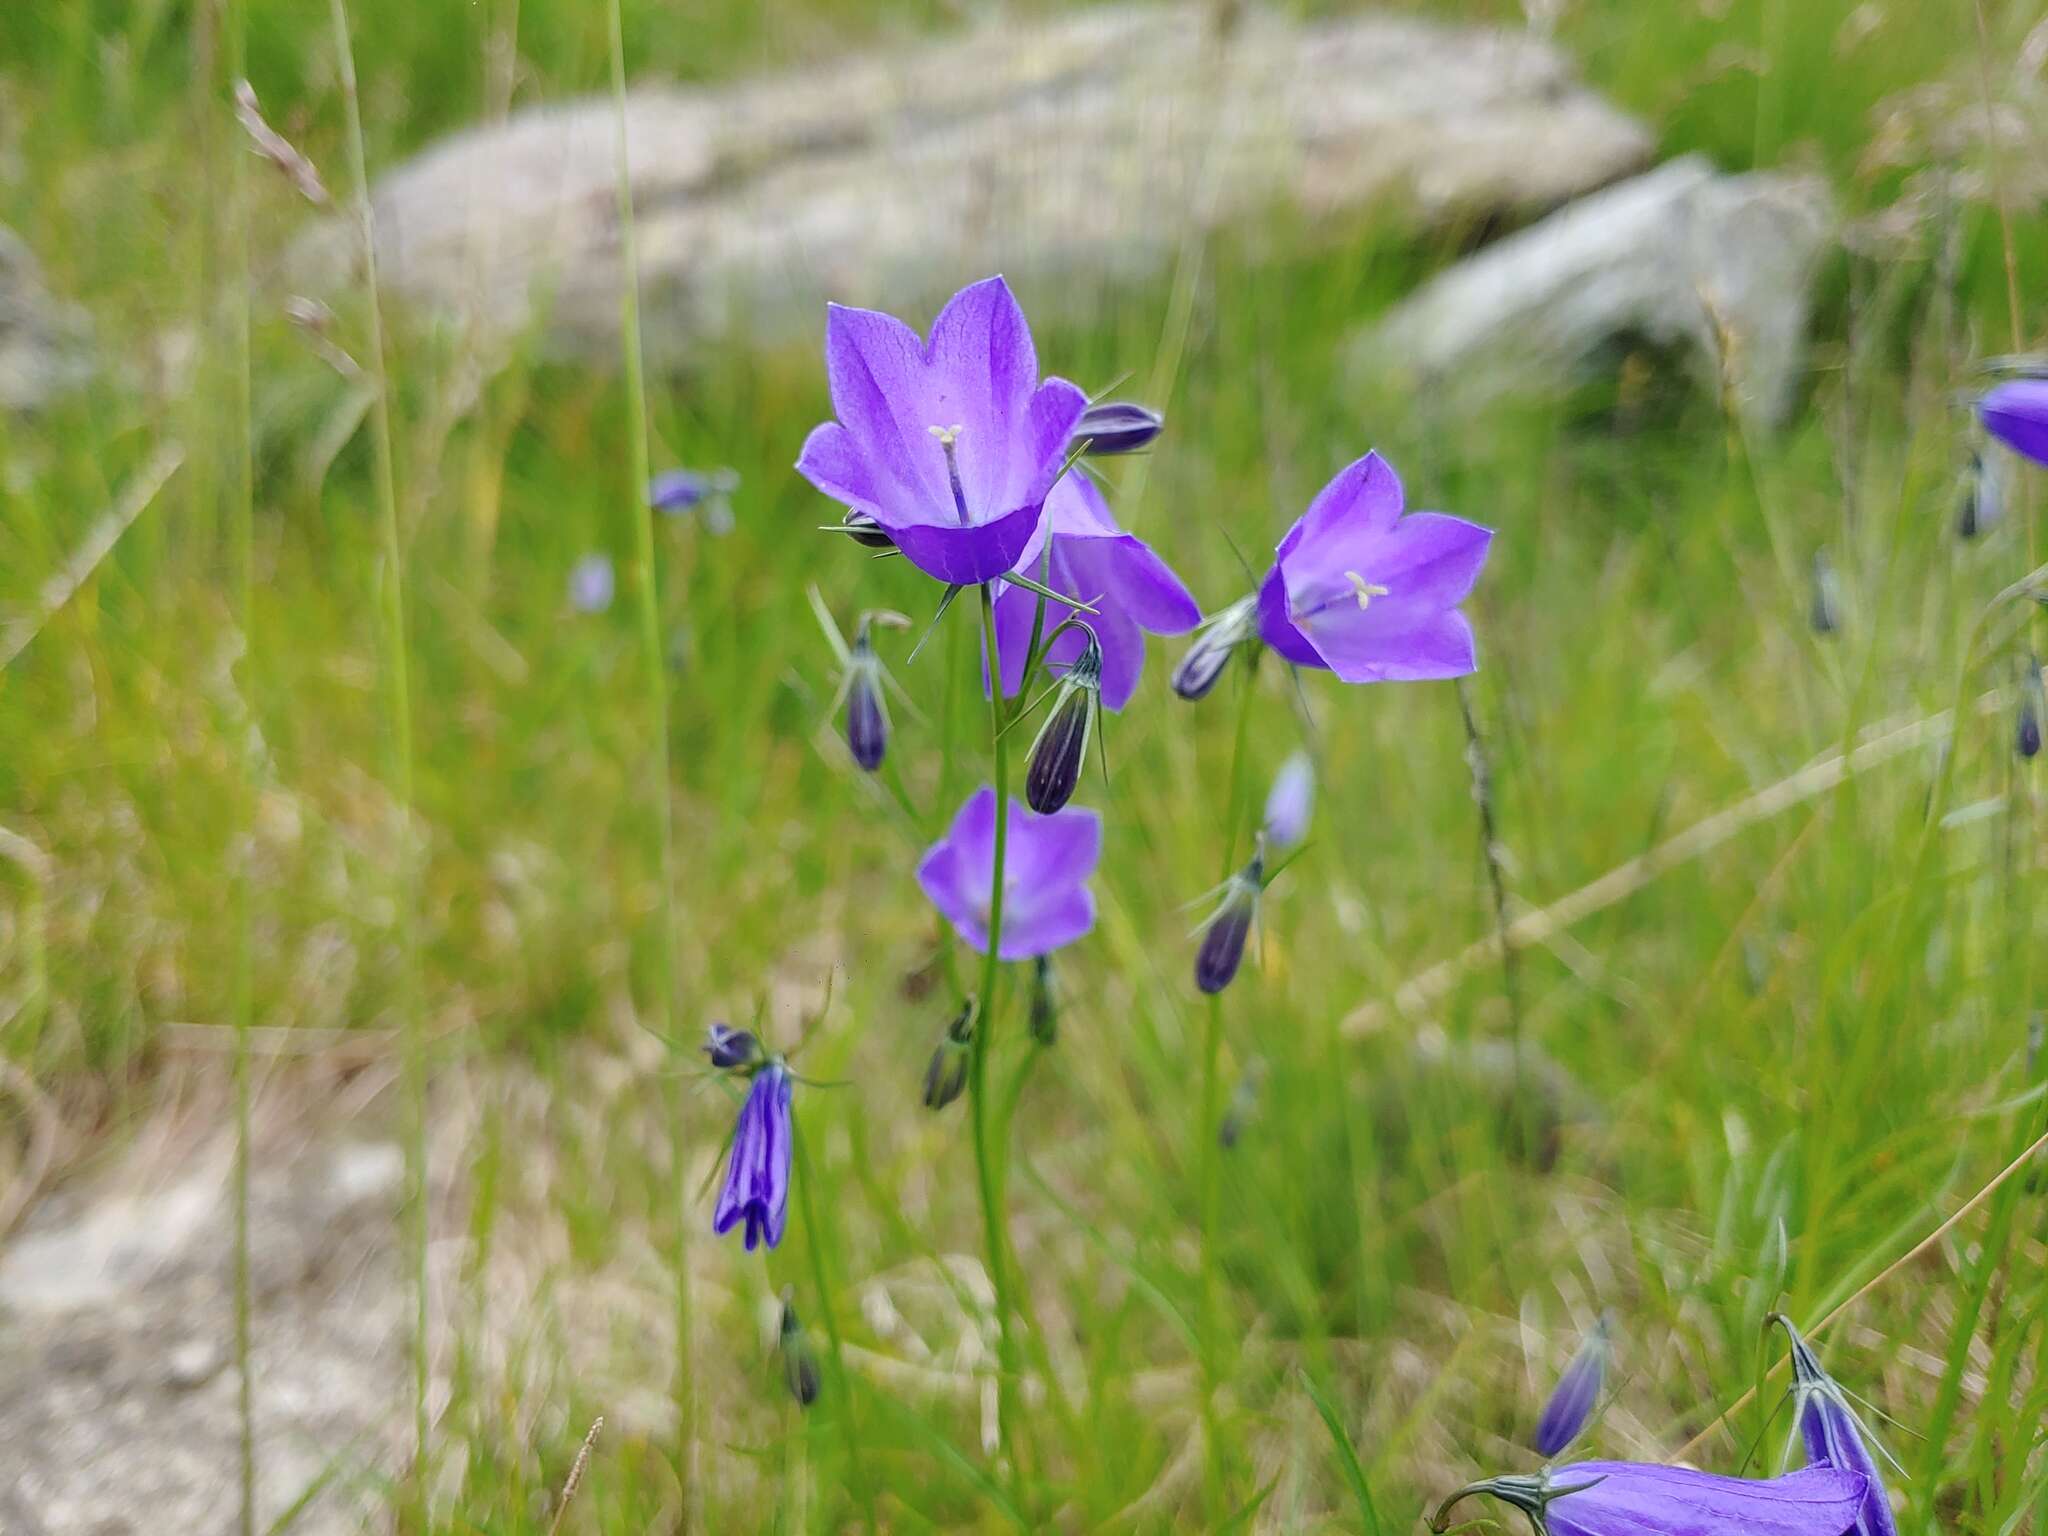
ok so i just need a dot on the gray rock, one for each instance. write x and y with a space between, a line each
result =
1074 154
45 345
118 1401
1680 256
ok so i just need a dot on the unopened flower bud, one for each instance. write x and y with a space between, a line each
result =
799 1365
1826 613
867 719
1981 503
945 1075
1117 426
864 530
2033 705
1213 647
1227 928
1060 751
731 1048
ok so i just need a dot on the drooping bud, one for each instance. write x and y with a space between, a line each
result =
1291 801
1045 1003
1060 751
1213 646
731 1048
1117 426
867 717
1244 1104
1980 505
1826 612
799 1365
1578 1391
2033 706
945 1075
866 531
1227 928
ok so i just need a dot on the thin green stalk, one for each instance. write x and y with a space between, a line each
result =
654 665
814 1244
243 534
1208 1153
398 704
985 1160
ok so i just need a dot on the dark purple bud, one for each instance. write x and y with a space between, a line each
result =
1045 1002
865 530
757 1168
1213 647
1061 750
945 1075
1630 1498
799 1366
867 720
1224 934
2033 705
1834 1433
729 1048
1826 613
1117 426
1578 1390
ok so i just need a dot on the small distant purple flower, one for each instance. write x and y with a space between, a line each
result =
1628 1498
1080 551
1834 1433
1291 802
1369 593
1047 862
1578 1389
591 584
757 1170
677 491
951 445
2016 413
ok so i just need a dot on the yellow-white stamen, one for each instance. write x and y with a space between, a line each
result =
1366 590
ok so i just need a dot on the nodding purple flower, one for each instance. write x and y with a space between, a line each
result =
1981 507
2033 707
731 1048
1290 802
1045 1002
1220 636
799 1365
1578 1389
1060 750
952 444
677 491
1047 862
2016 413
1368 592
1629 1498
1826 613
945 1075
757 1169
1117 426
591 584
1834 1433
1224 931
1082 552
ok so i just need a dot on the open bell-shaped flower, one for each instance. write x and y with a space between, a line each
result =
1047 864
1629 1498
2016 413
1060 751
756 1189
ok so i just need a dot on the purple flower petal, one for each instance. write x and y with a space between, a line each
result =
1639 1499
965 556
1046 866
985 371
1578 1389
2016 413
757 1168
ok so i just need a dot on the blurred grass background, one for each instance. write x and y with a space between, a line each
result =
1766 1074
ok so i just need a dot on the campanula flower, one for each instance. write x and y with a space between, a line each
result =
757 1169
1628 1498
1117 426
731 1048
1047 862
1083 553
951 444
1060 750
591 584
1834 1433
2016 413
1368 592
1578 1389
707 491
1221 635
1224 931
799 1364
1290 802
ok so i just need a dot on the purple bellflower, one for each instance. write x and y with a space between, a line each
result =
1290 802
1578 1389
951 445
1082 552
2016 413
757 1170
1834 1432
1047 862
1628 1498
1372 594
